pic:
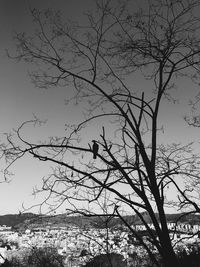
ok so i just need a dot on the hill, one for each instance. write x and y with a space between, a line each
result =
15 219
18 221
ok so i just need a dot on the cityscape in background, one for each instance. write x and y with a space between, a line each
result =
79 243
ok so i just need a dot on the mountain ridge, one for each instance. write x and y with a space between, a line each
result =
31 219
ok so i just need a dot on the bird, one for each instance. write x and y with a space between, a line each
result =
95 148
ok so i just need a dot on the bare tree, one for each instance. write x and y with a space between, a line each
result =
158 42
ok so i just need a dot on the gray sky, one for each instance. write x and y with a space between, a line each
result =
19 99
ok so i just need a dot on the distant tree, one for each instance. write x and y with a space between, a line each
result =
159 43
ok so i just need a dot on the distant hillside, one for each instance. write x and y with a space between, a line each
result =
24 220
15 219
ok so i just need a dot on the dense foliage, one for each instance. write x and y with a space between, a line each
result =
37 257
107 260
188 256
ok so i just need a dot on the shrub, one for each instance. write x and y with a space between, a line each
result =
37 257
107 260
14 262
44 257
190 257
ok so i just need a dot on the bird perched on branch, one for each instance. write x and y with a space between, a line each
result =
95 149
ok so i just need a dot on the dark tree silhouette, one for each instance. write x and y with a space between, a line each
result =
134 171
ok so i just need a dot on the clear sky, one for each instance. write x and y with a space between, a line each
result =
19 99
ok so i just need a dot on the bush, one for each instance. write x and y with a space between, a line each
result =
37 257
190 257
14 262
107 260
44 257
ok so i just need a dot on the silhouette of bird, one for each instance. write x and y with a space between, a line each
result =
95 148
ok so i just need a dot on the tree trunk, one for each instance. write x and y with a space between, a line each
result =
169 258
171 261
